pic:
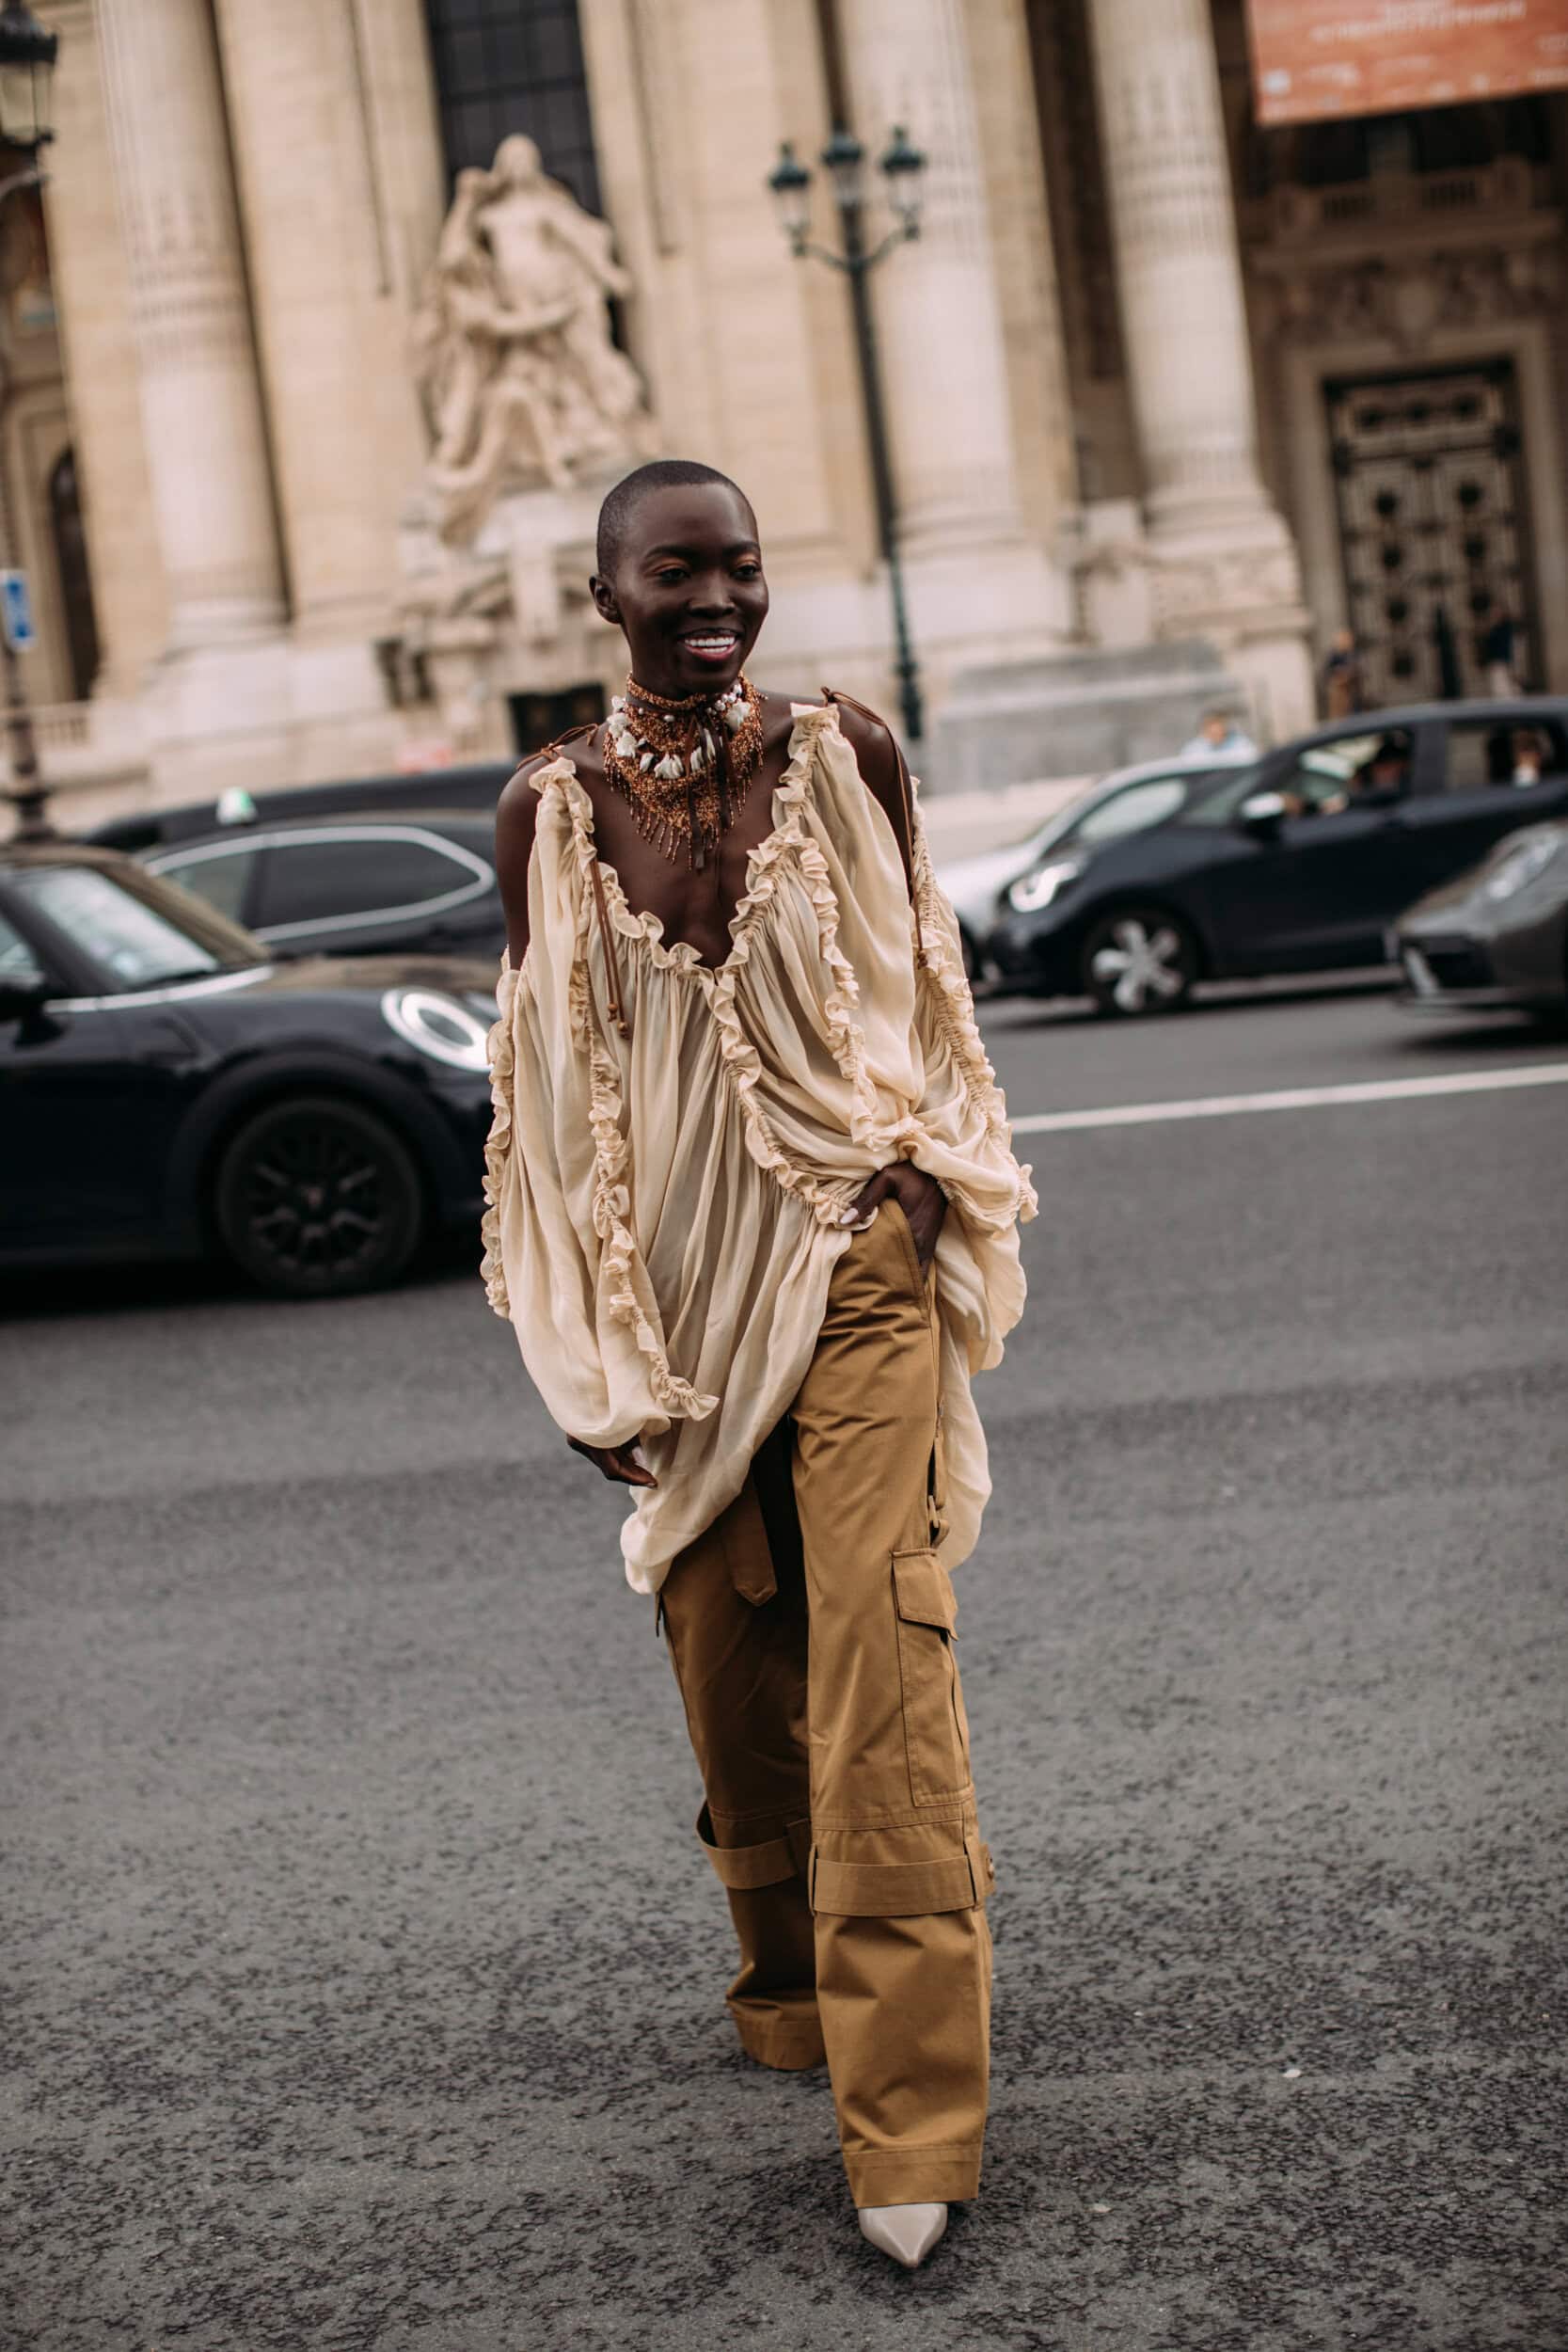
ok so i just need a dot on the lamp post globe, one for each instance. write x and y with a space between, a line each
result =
790 185
28 52
903 167
843 160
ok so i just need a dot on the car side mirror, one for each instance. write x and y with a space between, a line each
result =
18 997
1263 814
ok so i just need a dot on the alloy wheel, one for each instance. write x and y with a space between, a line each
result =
316 1197
1139 964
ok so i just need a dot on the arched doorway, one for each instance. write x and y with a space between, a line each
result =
71 555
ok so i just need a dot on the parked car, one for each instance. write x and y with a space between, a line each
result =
1122 801
1298 863
477 786
167 1089
1497 937
422 884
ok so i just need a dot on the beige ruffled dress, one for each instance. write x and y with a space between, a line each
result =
663 1205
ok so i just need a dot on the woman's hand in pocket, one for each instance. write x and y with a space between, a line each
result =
920 1198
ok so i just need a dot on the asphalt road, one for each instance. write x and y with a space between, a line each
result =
362 1978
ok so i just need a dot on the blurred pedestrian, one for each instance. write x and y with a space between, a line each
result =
753 1213
1220 735
1451 685
1499 653
1529 756
1343 688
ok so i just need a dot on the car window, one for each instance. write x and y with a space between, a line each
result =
219 876
1135 806
19 964
332 877
1480 752
1370 769
1213 799
138 944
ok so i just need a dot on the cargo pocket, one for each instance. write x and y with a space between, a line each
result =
936 1735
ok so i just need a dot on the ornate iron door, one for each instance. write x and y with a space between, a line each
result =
1429 474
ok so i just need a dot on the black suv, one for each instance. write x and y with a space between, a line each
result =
423 883
1297 864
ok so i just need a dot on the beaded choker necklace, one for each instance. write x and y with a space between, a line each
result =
684 766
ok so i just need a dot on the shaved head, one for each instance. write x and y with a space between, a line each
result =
665 473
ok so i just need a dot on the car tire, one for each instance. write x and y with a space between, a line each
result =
1138 960
316 1197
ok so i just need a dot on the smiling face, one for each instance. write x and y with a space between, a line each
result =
688 590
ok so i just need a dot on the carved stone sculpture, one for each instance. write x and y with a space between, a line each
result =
521 378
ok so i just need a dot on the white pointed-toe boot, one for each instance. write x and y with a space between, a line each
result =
908 2232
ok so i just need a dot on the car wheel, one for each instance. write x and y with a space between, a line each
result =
1139 960
972 962
315 1197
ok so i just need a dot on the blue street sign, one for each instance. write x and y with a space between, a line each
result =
16 612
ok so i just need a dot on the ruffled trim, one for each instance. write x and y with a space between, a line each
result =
611 1198
619 1255
742 1064
789 796
880 1139
612 1208
951 999
739 1057
498 1143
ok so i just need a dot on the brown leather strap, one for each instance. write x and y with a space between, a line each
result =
906 789
558 744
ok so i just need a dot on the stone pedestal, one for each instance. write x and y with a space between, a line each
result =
1077 715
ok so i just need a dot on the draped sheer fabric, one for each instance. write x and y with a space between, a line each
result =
662 1207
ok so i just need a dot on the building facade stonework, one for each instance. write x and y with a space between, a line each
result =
339 316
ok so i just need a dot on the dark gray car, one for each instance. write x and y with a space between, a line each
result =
1497 937
414 882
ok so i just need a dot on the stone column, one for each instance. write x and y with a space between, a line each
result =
976 577
201 406
939 319
1224 562
321 276
90 275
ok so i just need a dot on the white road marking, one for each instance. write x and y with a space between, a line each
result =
1551 1073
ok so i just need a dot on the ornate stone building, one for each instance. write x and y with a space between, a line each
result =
310 394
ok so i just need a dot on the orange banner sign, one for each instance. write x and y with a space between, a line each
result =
1317 57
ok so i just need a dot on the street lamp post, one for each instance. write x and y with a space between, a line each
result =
27 54
902 167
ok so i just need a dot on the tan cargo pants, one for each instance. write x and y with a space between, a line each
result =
811 1631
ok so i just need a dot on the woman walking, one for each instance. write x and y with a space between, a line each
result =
752 1211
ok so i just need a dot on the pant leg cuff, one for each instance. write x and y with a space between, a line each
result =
913 2176
789 2044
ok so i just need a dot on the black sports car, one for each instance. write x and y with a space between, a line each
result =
1495 940
165 1090
1297 864
419 885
